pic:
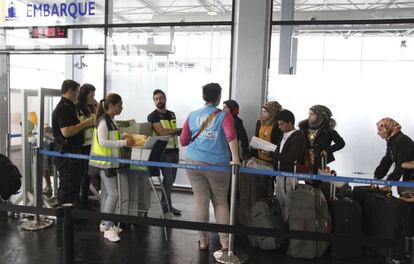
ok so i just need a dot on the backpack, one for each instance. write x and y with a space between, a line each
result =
10 178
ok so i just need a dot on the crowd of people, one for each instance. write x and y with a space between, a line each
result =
213 136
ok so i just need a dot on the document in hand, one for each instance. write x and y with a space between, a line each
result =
259 143
151 141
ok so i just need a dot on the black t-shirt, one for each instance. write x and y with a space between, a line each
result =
65 115
168 121
156 116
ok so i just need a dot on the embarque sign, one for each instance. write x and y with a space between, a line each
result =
36 9
61 9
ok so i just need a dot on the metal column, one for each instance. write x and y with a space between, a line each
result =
288 44
251 58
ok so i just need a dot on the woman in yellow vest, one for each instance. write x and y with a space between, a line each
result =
107 142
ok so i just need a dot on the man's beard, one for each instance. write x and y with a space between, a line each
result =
161 105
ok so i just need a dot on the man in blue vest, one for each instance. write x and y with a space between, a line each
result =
163 124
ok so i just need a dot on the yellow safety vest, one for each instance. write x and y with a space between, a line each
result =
98 150
169 124
87 133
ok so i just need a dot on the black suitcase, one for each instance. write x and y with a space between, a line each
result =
388 217
346 215
346 219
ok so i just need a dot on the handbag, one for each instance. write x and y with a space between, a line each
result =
256 163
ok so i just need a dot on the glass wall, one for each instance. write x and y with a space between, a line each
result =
347 9
168 11
178 60
361 75
77 39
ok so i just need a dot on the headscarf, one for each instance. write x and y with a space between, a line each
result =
233 106
391 126
273 108
322 114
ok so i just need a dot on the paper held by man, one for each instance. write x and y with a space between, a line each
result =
258 143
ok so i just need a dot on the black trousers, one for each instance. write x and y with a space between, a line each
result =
85 177
69 181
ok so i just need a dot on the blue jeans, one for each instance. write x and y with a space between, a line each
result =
169 174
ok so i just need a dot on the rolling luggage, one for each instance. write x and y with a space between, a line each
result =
308 212
387 217
346 216
267 214
284 188
346 219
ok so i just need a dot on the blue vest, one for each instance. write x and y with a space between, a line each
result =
211 145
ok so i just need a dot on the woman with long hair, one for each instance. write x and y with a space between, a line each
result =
86 109
107 142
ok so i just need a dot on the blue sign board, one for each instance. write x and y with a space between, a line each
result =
37 10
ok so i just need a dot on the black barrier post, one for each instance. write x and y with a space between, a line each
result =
230 257
68 251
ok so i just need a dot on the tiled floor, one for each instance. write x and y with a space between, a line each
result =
139 245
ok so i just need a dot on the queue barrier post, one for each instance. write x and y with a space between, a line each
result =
230 256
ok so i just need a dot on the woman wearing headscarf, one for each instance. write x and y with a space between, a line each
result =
267 128
320 134
400 149
232 107
253 188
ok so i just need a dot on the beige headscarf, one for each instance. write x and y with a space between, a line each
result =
273 108
391 126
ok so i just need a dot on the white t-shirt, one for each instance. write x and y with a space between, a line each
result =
285 138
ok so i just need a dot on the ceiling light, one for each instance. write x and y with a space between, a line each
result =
211 13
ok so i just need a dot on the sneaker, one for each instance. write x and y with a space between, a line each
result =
175 211
102 228
48 191
112 235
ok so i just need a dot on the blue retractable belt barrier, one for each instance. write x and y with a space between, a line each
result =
302 176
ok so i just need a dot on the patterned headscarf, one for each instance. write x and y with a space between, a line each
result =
233 106
389 125
273 108
323 113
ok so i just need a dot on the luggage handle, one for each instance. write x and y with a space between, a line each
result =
285 178
332 189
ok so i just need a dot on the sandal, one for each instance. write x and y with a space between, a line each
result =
202 246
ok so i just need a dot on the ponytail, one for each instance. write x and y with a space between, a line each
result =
103 105
100 111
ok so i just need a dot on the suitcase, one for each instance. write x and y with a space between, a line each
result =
359 194
346 219
283 190
308 212
387 217
267 214
346 215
